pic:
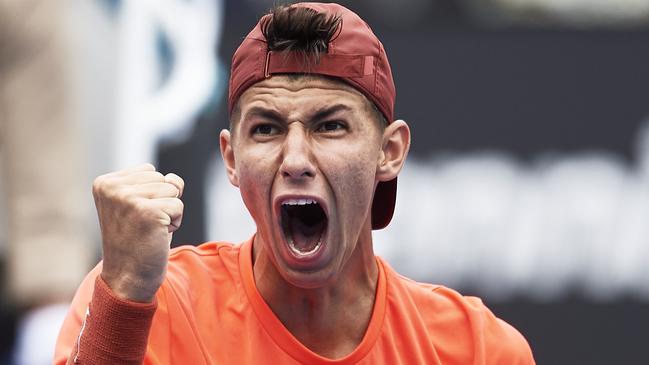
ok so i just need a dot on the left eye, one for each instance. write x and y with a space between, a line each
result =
330 126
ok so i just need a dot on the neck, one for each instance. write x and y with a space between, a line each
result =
329 320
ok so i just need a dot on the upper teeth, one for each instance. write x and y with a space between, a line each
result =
298 202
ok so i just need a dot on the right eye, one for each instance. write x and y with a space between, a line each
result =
265 129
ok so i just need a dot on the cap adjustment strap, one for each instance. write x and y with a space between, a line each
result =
328 64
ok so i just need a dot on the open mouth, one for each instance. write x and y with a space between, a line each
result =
304 223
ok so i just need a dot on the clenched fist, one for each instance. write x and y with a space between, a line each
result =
138 209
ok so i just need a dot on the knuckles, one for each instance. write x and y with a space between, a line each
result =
180 206
107 189
115 198
98 185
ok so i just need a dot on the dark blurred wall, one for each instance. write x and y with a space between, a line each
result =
525 91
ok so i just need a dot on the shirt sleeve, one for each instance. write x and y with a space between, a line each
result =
109 330
501 343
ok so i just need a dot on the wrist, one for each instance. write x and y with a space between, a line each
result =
132 288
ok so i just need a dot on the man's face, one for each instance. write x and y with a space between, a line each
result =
306 152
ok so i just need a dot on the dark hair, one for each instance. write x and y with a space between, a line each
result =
299 29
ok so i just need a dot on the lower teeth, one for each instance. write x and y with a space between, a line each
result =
299 252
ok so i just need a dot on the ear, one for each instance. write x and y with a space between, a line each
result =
394 149
227 152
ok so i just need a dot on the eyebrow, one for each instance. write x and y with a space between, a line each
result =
263 113
329 111
277 117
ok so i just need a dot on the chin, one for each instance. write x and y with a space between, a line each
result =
309 280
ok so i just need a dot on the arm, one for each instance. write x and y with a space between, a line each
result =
138 210
104 330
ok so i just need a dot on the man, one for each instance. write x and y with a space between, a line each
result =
316 161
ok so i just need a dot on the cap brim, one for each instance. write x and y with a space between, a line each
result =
385 198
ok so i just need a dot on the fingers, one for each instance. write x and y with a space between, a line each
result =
145 187
140 177
161 191
156 190
146 174
142 167
135 175
141 181
177 181
172 209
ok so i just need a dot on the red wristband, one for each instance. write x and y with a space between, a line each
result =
115 331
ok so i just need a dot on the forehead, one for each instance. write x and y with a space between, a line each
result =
301 93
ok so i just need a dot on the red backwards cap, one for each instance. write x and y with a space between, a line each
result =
355 55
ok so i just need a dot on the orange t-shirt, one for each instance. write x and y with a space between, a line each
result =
210 312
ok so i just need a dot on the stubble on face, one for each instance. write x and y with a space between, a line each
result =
343 164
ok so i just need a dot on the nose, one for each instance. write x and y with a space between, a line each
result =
297 160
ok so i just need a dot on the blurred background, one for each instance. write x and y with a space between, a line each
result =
527 183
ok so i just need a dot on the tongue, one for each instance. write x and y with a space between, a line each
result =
305 236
